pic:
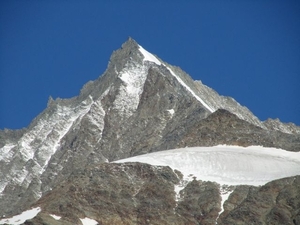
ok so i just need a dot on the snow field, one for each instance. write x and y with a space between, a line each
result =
229 165
226 165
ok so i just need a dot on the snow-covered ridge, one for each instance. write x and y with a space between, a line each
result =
190 90
149 57
208 98
40 143
230 165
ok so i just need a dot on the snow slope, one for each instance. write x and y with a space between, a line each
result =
230 165
148 56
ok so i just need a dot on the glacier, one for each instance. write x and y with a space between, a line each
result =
226 165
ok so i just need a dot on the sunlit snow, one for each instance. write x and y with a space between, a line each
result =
40 143
55 216
19 219
148 56
230 165
171 111
225 193
133 77
189 89
5 153
88 221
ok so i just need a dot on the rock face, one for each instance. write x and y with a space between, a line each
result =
139 105
274 203
223 127
283 127
135 193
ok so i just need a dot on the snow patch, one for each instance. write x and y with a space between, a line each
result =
230 165
55 216
171 111
5 152
88 221
132 84
21 218
133 77
179 187
148 56
225 193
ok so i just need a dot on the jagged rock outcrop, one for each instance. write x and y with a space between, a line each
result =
7 136
139 105
277 202
223 127
289 128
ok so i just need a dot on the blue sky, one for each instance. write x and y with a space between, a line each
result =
249 50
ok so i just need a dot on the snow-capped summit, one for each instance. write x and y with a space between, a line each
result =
139 105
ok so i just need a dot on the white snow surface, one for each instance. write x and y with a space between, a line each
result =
55 216
88 221
224 195
227 165
148 56
133 77
171 111
21 218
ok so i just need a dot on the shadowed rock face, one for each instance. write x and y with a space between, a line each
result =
135 107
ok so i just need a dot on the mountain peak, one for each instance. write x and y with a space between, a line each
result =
130 43
128 50
139 105
131 47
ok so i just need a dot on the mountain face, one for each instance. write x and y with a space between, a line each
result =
139 105
134 193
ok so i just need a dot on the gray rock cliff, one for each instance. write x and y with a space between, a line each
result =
135 193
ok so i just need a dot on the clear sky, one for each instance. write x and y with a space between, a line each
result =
249 50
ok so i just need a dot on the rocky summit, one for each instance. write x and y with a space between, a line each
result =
63 164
